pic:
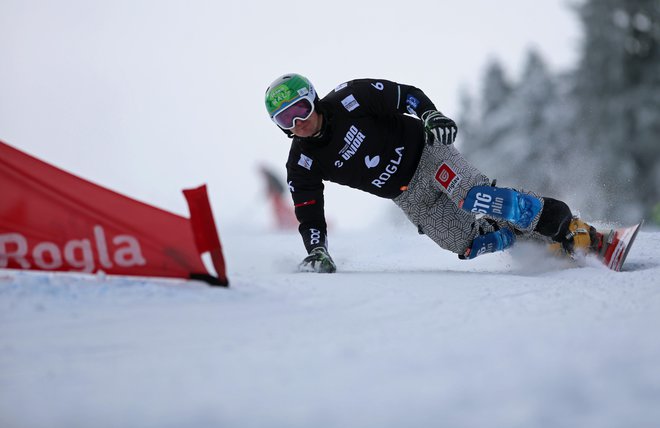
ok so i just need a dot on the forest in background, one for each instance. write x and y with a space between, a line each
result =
590 135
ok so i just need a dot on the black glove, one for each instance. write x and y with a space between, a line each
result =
439 128
318 261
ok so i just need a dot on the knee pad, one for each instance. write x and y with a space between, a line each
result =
518 208
489 243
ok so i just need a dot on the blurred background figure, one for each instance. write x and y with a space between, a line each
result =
279 199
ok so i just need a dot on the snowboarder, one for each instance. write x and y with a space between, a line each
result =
390 140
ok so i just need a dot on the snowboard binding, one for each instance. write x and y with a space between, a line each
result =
611 248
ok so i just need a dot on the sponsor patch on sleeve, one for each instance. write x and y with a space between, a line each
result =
412 103
341 86
447 177
305 162
350 103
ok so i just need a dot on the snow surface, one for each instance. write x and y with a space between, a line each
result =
404 335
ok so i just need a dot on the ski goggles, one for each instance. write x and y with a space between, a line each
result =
299 110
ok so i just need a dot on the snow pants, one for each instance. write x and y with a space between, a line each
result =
431 202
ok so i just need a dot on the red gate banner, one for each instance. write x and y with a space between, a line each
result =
55 221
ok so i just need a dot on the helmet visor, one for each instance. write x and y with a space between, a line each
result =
299 110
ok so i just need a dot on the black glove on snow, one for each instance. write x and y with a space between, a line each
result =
439 128
318 261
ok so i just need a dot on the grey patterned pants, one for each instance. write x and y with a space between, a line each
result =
442 179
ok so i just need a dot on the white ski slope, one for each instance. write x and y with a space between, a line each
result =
404 335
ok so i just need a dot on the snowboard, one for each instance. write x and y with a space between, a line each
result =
616 246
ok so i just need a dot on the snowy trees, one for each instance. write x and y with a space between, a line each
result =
618 95
521 134
591 135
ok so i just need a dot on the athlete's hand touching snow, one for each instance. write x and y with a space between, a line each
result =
318 261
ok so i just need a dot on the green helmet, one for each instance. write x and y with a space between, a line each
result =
286 90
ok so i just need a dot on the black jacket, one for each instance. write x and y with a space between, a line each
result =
368 141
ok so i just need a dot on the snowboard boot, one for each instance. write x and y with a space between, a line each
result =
580 238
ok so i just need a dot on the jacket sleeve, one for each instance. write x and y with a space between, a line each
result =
386 98
306 186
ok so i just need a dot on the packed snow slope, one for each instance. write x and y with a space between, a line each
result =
404 335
